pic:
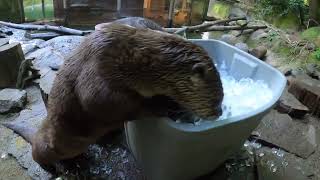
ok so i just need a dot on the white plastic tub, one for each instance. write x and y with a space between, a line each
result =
180 151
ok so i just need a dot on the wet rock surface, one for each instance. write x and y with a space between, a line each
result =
63 44
99 162
290 105
307 91
12 100
293 136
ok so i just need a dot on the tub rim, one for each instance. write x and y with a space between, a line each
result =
207 125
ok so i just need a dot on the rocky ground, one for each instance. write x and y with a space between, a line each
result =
284 145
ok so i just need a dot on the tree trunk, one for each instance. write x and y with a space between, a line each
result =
314 11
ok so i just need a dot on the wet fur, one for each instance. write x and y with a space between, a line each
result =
109 79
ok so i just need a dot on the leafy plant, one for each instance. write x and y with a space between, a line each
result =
282 7
317 54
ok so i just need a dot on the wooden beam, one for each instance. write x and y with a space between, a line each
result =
43 8
171 10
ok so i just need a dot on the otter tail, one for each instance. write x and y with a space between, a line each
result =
21 129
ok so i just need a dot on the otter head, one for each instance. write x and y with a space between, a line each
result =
198 86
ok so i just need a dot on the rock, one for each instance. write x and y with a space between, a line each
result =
307 91
228 38
312 70
292 136
294 72
63 44
290 105
259 52
11 58
218 9
236 12
12 100
258 34
10 169
276 164
243 46
310 46
100 161
297 72
4 41
26 48
46 82
46 57
272 59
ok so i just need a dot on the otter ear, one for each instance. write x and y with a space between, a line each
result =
200 69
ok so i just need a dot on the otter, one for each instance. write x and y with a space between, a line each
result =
107 81
138 22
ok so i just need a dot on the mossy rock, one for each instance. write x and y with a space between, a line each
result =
219 10
312 35
289 21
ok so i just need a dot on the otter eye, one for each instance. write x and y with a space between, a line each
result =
200 68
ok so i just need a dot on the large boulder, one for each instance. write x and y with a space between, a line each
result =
290 105
307 91
218 9
259 52
236 12
293 136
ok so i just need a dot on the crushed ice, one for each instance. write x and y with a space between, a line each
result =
242 96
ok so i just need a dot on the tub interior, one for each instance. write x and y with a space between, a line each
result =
239 64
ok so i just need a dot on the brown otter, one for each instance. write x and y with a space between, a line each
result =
138 22
106 80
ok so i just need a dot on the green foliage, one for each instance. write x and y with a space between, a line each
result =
281 7
33 10
311 33
272 35
317 54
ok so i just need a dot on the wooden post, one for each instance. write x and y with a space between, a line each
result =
171 10
11 56
43 9
21 11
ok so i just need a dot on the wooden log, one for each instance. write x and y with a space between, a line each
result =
59 29
11 56
44 36
307 91
214 28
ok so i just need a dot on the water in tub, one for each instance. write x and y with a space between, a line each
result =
241 96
